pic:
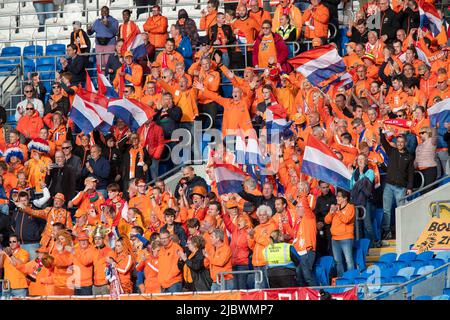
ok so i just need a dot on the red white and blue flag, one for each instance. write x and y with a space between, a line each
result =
104 86
100 105
320 64
321 163
229 178
440 113
430 18
131 111
135 44
89 84
84 115
276 122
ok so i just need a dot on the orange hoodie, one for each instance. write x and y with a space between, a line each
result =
83 265
30 126
220 261
151 270
157 30
318 17
169 274
62 273
100 256
305 228
260 241
342 222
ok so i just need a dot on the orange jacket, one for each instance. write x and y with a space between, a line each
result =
83 203
342 222
83 260
232 110
30 126
164 57
169 274
16 278
260 16
211 82
100 256
186 100
305 229
125 265
43 286
260 241
248 28
62 273
151 270
220 261
156 27
208 21
135 78
318 17
296 18
143 203
239 246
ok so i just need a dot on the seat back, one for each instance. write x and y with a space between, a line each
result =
344 281
33 50
442 297
350 274
444 255
11 52
436 263
425 256
406 272
423 298
424 270
407 256
55 49
388 257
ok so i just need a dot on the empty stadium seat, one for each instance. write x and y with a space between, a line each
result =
386 260
425 256
436 263
29 65
33 51
442 297
416 264
446 291
323 269
423 298
444 255
398 279
424 270
350 274
47 61
11 52
7 66
344 281
407 256
55 49
361 248
406 272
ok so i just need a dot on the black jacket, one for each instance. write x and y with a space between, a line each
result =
169 120
400 170
62 105
86 39
227 31
447 139
389 24
259 200
196 181
201 278
323 205
409 19
361 191
77 68
179 231
113 64
62 180
40 92
26 227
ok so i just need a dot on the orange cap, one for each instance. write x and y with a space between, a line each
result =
231 204
128 54
59 196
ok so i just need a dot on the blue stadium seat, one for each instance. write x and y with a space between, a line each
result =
416 264
444 255
7 65
344 281
11 52
33 51
397 265
361 248
436 263
407 256
425 256
398 279
323 269
350 274
423 298
55 49
45 62
446 291
360 280
442 297
406 272
386 260
28 66
424 270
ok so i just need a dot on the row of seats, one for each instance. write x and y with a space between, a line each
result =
444 296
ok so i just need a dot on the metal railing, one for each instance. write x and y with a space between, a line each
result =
220 277
404 199
358 220
406 289
437 209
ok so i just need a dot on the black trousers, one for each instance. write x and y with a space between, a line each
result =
429 175
280 277
211 109
140 3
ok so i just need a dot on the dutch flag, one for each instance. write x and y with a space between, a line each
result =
229 178
440 113
430 18
133 112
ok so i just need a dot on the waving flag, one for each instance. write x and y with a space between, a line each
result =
430 18
276 122
89 85
133 112
229 178
104 86
321 163
319 65
84 115
440 113
100 105
420 55
135 44
248 152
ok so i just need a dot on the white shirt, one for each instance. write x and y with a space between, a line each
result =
21 106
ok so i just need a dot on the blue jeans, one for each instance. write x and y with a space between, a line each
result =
154 167
177 287
44 7
4 208
265 281
225 59
229 285
343 247
305 270
240 280
14 293
368 229
31 248
83 291
390 193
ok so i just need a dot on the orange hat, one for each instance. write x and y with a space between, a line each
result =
351 45
59 196
83 236
368 56
231 204
299 118
316 42
79 213
199 190
128 54
442 77
42 250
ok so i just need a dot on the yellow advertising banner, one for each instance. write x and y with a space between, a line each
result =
436 236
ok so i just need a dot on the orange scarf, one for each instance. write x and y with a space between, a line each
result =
136 156
82 44
2 139
187 271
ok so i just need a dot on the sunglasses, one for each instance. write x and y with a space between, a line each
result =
28 91
422 132
13 241
55 87
65 148
29 108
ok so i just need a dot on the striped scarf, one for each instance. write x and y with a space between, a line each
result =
136 157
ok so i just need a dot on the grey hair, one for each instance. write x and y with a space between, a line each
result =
218 233
265 208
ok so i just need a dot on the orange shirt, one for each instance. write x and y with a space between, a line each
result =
62 272
305 228
151 270
342 222
208 21
220 261
169 274
260 241
99 258
169 60
16 278
83 265
43 286
248 29
260 16
124 267
266 50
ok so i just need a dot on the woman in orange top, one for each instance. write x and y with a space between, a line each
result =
63 264
149 263
124 261
209 17
315 19
342 220
60 132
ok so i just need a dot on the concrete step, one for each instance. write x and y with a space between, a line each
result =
380 251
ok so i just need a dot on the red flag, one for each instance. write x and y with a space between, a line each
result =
121 81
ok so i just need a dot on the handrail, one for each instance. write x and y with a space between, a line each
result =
422 177
220 277
2 89
438 207
407 283
403 199
358 219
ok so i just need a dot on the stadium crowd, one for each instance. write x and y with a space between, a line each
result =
78 215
